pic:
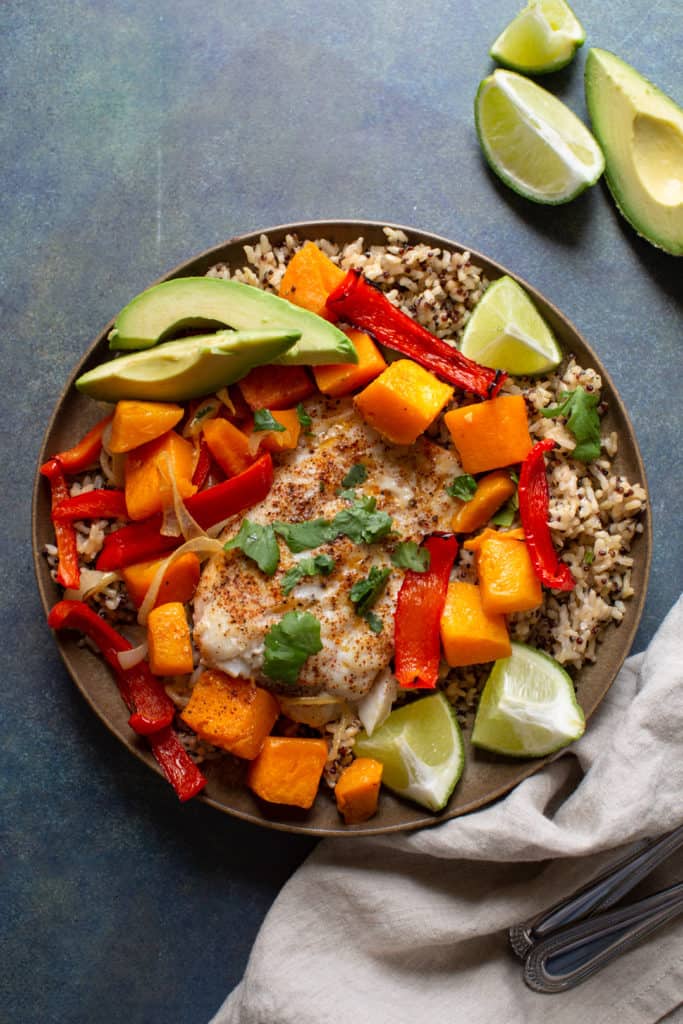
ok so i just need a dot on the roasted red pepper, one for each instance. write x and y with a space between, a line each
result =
85 453
358 302
201 470
150 706
142 541
421 599
68 572
176 764
532 492
97 504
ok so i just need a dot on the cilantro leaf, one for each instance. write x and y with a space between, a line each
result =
258 543
463 487
409 555
374 622
288 644
310 566
358 474
581 412
361 522
347 493
364 593
589 556
304 536
303 417
505 516
264 420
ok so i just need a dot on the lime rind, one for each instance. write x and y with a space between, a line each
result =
421 748
506 332
532 141
542 38
528 707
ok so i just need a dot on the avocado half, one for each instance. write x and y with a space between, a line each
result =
200 301
188 368
640 131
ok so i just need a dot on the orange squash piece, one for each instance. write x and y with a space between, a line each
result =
490 434
178 584
136 423
403 401
228 445
469 634
357 791
276 387
168 639
338 379
283 440
288 770
492 491
309 278
507 579
143 473
233 714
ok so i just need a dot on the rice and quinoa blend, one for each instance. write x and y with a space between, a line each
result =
594 513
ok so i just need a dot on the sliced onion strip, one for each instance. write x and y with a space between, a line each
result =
204 547
92 582
128 659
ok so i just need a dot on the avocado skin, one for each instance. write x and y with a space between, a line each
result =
189 368
196 301
619 98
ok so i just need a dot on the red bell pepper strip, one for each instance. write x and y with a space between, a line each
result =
360 303
140 542
176 764
421 599
86 452
150 706
68 571
96 504
532 492
201 470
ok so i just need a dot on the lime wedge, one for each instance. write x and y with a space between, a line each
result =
543 37
506 332
532 141
421 748
528 707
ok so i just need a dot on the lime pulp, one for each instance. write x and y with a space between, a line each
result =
543 37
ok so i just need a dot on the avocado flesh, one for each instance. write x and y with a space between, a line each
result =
188 368
188 301
640 130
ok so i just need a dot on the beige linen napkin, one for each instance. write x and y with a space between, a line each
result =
412 927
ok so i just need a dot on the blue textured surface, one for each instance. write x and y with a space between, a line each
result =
133 136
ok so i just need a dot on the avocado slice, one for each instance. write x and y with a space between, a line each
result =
193 301
640 130
187 368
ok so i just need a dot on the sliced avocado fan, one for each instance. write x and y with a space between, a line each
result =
201 301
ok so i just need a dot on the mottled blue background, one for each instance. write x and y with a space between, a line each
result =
134 135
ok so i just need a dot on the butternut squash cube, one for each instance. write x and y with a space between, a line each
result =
228 445
507 579
490 434
143 473
309 278
178 584
357 791
403 401
492 491
469 634
338 379
233 714
168 638
288 770
276 387
136 423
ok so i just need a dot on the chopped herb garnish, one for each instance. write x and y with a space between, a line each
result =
361 522
347 494
201 413
505 516
288 644
589 556
264 420
409 555
463 487
374 622
364 593
303 417
310 566
258 543
304 536
581 412
358 474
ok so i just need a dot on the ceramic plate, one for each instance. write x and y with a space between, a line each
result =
486 777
